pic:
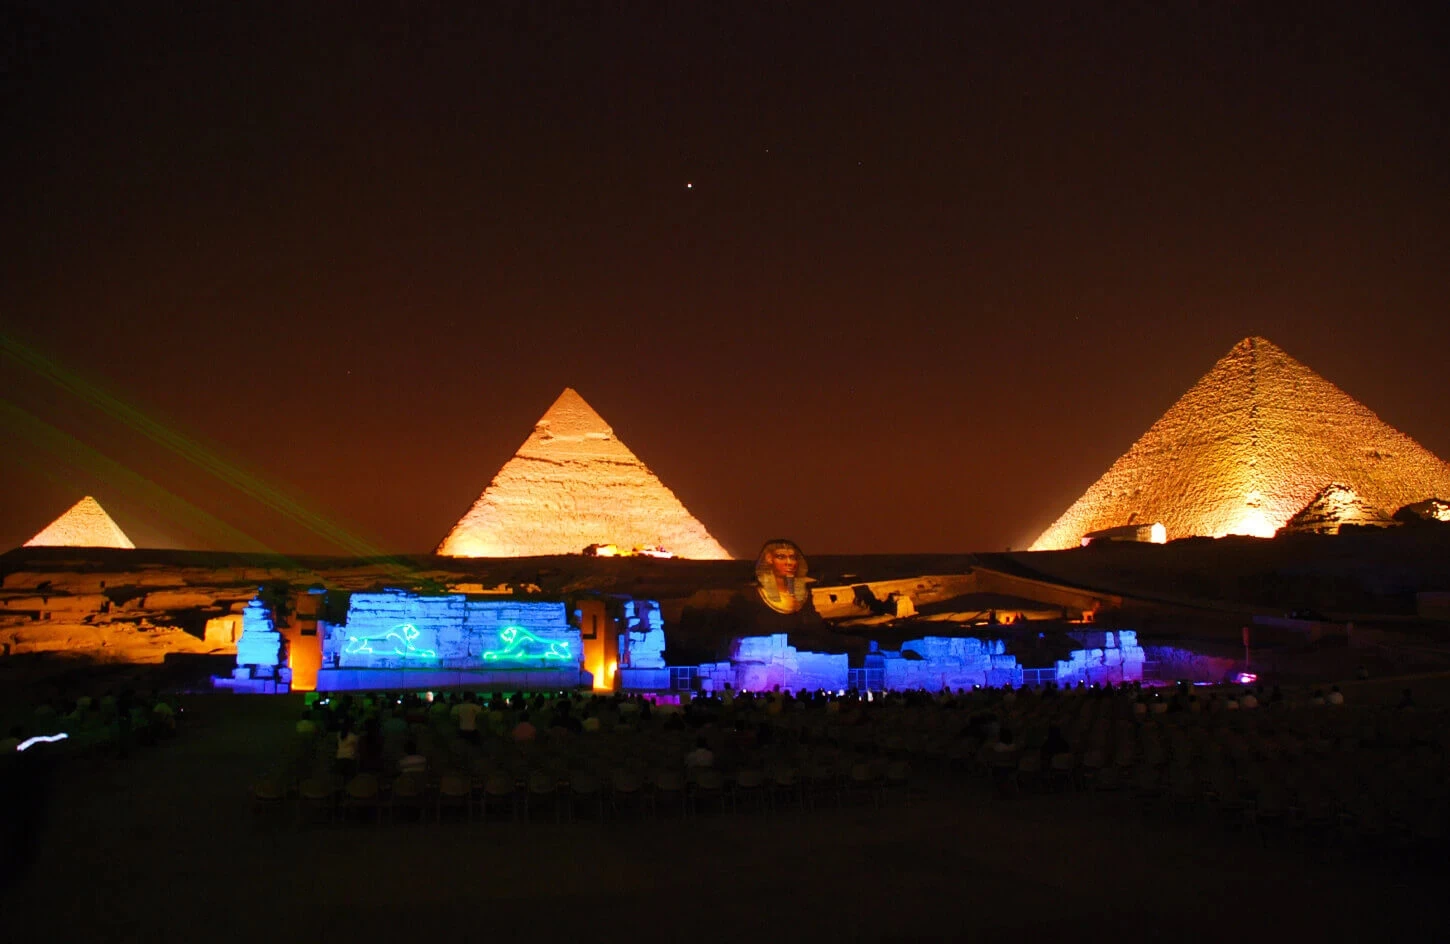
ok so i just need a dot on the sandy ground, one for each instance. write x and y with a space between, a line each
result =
163 846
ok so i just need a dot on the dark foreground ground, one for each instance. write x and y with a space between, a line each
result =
163 846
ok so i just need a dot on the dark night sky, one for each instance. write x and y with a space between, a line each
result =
936 270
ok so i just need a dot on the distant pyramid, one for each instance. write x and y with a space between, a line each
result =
1334 507
1252 443
85 525
571 484
1431 509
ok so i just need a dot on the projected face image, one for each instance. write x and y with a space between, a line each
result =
780 572
784 562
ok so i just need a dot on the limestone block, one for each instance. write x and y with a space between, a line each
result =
177 600
223 630
1127 638
1132 671
1113 657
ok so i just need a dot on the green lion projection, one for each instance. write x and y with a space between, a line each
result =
399 638
515 641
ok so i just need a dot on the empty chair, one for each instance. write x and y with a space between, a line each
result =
316 798
896 781
587 792
670 789
361 796
269 798
1062 772
455 792
407 795
543 791
499 792
785 787
626 790
1029 770
749 789
821 785
864 782
709 788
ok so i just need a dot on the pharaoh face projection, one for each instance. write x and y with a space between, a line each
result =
780 577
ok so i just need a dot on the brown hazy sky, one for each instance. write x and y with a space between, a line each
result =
935 272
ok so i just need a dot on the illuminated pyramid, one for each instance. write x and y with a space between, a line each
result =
1333 508
571 484
86 524
1249 446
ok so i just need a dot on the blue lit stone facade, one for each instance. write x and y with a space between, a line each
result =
399 630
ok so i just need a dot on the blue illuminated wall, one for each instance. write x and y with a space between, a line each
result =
642 644
399 630
259 648
937 662
1111 657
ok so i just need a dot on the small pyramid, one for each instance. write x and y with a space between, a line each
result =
1334 507
86 524
571 484
1431 509
1246 448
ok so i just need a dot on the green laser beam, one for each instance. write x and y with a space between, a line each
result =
191 450
73 452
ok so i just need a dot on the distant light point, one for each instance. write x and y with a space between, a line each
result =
689 186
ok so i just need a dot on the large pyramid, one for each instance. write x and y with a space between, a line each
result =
86 524
1252 443
571 484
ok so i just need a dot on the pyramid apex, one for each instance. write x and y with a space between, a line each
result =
1257 342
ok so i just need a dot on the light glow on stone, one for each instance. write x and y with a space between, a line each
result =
1254 525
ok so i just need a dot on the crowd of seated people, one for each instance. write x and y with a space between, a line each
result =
1248 752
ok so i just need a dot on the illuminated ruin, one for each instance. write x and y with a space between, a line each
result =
86 524
1333 508
572 484
1253 443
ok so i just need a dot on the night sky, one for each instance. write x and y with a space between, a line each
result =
874 278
